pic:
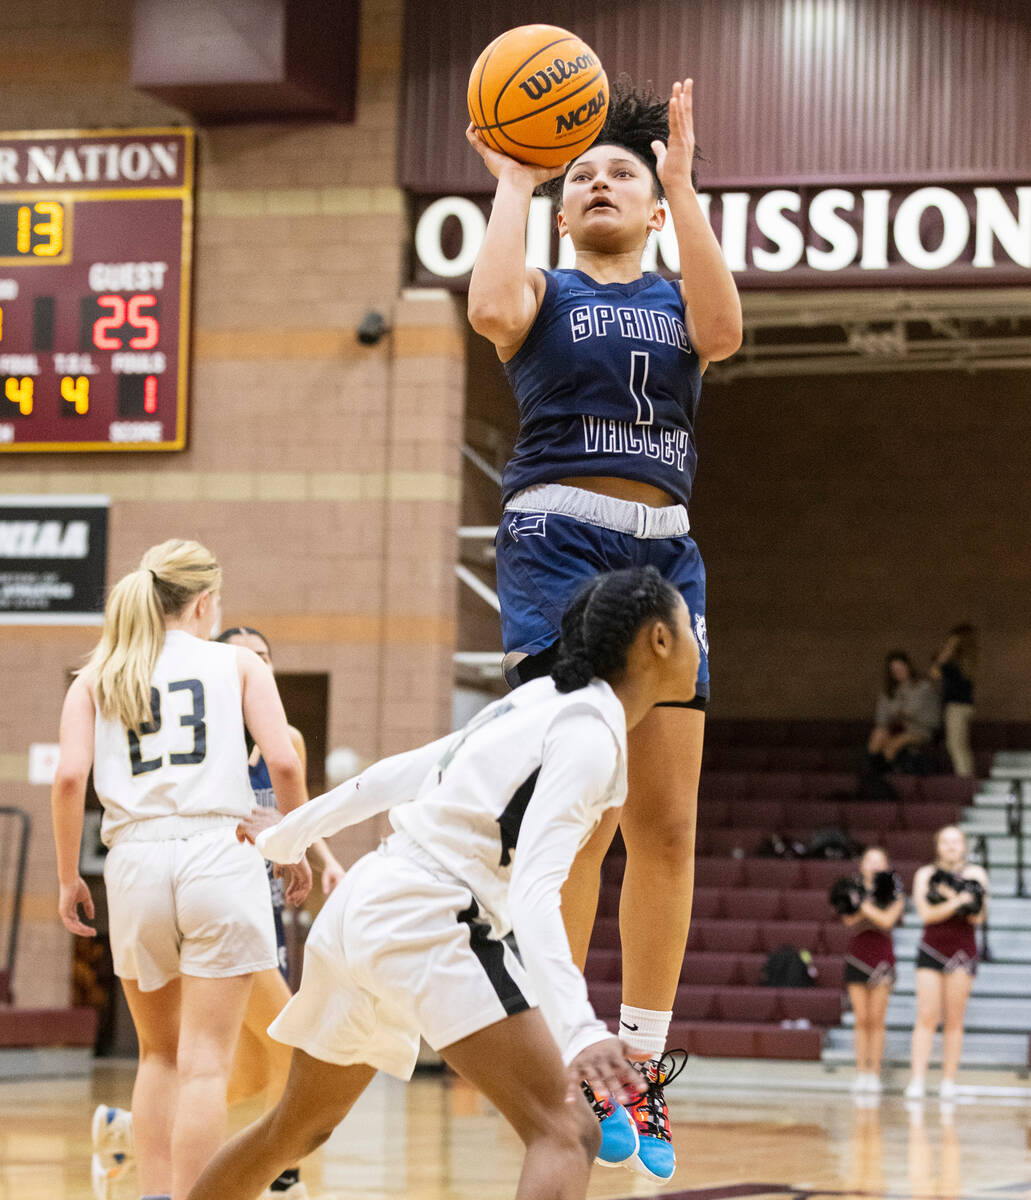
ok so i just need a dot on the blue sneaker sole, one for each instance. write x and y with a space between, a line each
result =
662 1171
623 1141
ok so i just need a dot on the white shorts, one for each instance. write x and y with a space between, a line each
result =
399 951
195 905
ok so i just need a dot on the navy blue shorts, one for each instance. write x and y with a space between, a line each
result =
543 558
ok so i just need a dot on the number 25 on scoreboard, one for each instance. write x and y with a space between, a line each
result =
121 313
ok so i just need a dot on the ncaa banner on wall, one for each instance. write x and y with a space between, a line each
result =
53 559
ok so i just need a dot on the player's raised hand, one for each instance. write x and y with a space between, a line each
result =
673 161
501 165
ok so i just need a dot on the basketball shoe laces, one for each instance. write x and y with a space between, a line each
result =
649 1110
602 1107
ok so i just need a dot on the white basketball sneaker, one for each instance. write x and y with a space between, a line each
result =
113 1150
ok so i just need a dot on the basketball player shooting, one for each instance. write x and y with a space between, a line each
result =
605 362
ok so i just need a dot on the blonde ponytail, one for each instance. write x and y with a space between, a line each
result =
168 578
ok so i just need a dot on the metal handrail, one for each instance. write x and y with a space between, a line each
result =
1015 828
22 853
981 850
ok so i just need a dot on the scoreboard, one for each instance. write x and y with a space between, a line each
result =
95 255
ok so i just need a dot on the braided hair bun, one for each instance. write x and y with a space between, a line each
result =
601 622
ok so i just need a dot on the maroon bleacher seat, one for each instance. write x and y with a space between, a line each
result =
820 1005
722 785
708 903
695 1003
871 814
729 843
799 758
821 873
718 872
947 789
821 785
813 814
735 937
713 812
910 844
778 784
804 935
834 938
604 965
928 816
606 934
763 814
772 872
731 1040
751 1006
753 904
807 904
605 997
711 969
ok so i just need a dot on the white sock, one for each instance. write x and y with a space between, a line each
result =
644 1030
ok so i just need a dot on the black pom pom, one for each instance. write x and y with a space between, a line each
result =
938 880
846 895
976 890
887 887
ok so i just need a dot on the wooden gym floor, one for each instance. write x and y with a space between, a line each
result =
438 1140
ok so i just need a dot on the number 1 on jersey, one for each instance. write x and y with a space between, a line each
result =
639 362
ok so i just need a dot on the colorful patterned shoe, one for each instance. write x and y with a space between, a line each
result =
655 1156
618 1132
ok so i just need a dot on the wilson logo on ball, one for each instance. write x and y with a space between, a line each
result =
540 82
538 94
585 112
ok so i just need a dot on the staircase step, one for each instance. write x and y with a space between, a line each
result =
979 1049
985 1014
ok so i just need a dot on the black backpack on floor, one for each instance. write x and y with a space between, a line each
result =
788 966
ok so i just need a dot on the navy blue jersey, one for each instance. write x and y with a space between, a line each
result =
265 797
261 784
607 384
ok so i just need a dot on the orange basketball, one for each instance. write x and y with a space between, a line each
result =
539 94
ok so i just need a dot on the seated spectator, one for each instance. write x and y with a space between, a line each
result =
953 671
906 718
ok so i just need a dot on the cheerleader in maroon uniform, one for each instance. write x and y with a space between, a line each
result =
951 897
870 904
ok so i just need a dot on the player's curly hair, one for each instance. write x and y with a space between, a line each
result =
602 621
636 118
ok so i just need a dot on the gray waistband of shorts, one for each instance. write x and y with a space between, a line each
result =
622 516
171 828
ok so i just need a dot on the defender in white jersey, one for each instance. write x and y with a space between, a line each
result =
415 941
158 713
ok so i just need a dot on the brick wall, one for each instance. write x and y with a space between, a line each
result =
324 473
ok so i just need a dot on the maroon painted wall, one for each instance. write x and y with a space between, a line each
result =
785 89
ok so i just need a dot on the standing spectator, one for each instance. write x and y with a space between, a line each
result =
951 898
906 717
953 671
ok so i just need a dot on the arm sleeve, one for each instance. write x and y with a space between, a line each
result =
575 786
391 781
